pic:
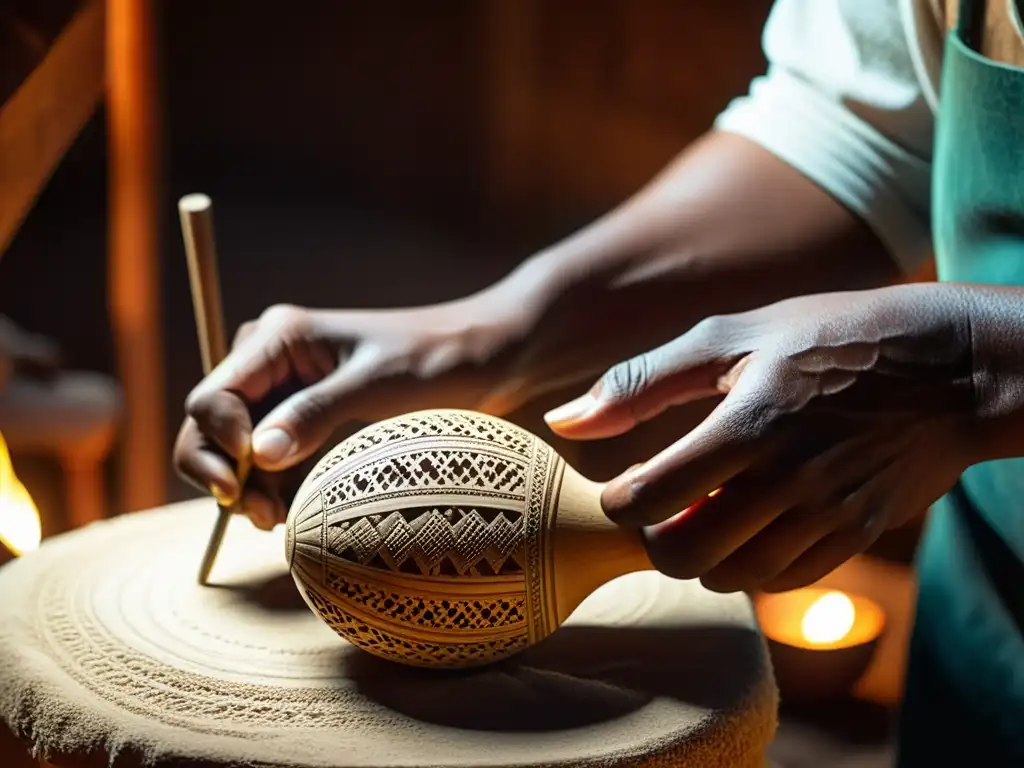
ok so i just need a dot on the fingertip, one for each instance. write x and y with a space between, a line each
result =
780 584
261 523
568 413
297 427
209 473
274 448
224 497
590 417
260 510
723 585
621 498
640 497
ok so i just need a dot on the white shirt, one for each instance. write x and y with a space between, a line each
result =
850 99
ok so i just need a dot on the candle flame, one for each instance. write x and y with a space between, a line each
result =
828 619
20 527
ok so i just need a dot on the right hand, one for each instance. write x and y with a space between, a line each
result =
312 372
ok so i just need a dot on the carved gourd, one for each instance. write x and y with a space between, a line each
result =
450 538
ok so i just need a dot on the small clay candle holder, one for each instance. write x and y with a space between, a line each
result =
821 640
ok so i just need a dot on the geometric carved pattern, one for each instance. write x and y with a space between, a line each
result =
425 538
457 653
435 613
447 424
429 469
435 542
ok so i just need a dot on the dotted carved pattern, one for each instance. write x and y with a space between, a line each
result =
411 651
441 424
435 613
455 542
439 468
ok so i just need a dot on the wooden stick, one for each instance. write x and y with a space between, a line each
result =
196 213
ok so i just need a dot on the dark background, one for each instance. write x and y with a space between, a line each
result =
394 152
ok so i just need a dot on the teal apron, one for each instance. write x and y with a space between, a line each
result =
964 702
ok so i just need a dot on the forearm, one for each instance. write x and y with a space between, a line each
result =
726 227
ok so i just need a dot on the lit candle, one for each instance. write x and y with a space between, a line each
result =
20 529
821 640
828 619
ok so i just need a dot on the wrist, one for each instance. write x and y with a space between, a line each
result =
585 304
507 317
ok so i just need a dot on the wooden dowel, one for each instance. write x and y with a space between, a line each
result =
196 212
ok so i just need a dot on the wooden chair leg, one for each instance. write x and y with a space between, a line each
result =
133 122
86 491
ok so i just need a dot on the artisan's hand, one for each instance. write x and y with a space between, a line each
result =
844 414
311 372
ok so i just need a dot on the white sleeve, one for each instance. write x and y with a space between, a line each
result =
842 103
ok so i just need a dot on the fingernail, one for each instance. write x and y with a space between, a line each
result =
273 444
260 522
574 410
223 498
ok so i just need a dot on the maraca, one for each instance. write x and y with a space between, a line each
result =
449 538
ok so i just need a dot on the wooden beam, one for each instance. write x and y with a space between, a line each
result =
41 120
134 255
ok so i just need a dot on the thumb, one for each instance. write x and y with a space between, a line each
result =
638 389
300 425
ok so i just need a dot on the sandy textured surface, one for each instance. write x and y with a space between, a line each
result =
109 650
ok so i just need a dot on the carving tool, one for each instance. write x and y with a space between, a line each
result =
196 212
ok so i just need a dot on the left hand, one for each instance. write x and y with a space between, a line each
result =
843 415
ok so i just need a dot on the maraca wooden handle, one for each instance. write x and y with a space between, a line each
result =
588 549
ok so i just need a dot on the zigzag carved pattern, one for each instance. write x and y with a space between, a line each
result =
435 542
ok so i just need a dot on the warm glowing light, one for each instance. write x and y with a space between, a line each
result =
714 493
828 619
20 528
